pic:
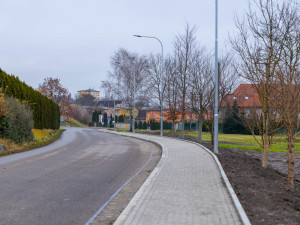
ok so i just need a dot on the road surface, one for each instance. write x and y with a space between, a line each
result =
69 180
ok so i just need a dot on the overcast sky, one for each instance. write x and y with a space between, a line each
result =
74 39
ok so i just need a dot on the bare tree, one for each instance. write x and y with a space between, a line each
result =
201 83
154 79
85 100
184 48
128 66
259 53
227 76
227 80
252 119
171 93
285 92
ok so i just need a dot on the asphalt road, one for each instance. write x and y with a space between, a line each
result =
68 181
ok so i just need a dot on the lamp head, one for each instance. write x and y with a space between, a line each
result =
136 35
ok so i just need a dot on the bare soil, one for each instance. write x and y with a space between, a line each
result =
263 193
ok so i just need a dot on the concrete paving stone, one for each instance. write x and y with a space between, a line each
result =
187 188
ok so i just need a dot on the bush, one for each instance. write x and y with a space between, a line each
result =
95 117
105 119
121 119
154 125
92 124
232 121
144 125
46 113
17 124
81 115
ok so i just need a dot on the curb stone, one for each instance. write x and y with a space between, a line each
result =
138 195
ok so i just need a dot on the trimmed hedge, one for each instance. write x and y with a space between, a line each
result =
46 113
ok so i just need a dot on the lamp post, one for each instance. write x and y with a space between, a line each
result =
216 116
133 119
114 112
161 80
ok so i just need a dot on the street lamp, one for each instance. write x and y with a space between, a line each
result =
133 119
216 84
161 80
114 112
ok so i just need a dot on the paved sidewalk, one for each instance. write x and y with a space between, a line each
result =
185 188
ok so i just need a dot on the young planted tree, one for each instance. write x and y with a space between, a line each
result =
285 92
259 53
201 83
227 81
171 93
184 50
154 79
252 119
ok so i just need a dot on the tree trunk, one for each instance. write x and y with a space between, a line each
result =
265 131
200 130
211 130
182 127
173 127
291 156
212 136
265 152
130 126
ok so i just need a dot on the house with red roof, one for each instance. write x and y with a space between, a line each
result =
247 100
245 95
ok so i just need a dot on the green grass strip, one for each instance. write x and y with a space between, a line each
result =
36 144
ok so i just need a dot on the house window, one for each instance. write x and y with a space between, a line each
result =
234 97
246 98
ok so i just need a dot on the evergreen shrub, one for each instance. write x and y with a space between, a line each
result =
17 124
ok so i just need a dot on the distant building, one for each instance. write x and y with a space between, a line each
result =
108 103
94 93
248 100
245 96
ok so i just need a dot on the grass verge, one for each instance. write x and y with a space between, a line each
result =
71 123
41 138
239 141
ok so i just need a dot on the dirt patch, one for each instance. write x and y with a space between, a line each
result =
278 161
263 193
